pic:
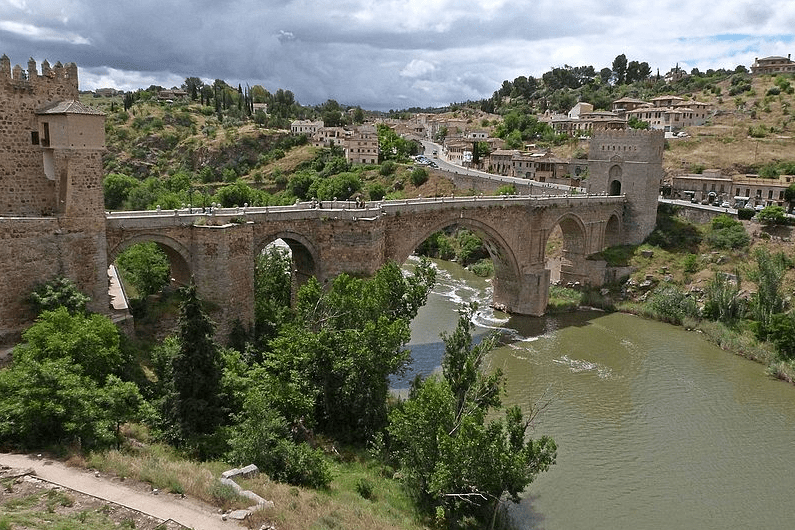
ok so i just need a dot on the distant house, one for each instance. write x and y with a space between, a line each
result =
773 65
621 106
307 127
361 147
739 190
106 92
171 95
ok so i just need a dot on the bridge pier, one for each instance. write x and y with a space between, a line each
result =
223 269
525 295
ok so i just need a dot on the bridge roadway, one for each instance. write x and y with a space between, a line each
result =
217 248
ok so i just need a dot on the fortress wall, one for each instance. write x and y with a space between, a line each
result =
24 189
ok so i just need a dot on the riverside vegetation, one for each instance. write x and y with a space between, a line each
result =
337 449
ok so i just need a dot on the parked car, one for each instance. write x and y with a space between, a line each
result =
725 204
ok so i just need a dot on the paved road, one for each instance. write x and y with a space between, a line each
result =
184 511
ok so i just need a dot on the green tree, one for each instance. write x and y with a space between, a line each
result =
145 267
620 69
58 292
772 215
346 342
725 232
51 402
789 196
263 436
456 462
419 176
117 188
272 291
768 275
193 408
91 342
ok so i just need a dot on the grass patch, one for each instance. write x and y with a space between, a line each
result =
617 256
362 495
562 299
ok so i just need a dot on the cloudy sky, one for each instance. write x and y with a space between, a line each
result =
383 54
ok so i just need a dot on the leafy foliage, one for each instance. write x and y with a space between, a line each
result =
723 302
61 386
89 341
672 305
768 300
772 215
264 437
726 233
58 292
145 267
456 462
273 288
346 341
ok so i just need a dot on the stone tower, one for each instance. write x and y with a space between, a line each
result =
629 163
52 219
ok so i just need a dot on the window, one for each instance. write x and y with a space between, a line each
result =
45 142
34 137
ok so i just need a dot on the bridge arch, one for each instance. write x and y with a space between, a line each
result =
566 262
305 256
506 265
179 256
612 235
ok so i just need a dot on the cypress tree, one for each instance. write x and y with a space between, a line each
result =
196 372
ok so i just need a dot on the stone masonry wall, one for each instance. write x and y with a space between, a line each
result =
24 189
48 226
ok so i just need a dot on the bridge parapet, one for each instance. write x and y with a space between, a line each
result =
342 210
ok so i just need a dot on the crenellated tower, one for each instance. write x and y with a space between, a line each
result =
51 201
629 163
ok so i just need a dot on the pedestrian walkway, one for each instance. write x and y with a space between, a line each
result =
186 512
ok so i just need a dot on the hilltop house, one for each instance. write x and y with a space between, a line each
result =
773 65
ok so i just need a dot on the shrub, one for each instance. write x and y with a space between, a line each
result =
726 233
744 214
669 304
772 214
419 176
387 167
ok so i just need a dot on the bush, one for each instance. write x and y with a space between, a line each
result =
387 167
726 233
772 214
376 191
419 176
669 304
744 214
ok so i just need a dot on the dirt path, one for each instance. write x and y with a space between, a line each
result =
187 512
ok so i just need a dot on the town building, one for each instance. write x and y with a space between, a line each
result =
307 127
773 65
361 147
711 187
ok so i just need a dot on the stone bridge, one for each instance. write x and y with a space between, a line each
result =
218 249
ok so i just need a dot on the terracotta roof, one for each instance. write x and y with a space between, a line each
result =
69 107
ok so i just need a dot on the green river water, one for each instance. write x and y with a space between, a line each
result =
656 427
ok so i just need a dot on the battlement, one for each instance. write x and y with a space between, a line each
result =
61 79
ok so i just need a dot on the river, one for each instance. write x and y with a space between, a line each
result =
656 427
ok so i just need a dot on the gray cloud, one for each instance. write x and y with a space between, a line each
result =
386 54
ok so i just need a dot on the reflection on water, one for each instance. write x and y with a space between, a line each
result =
656 428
